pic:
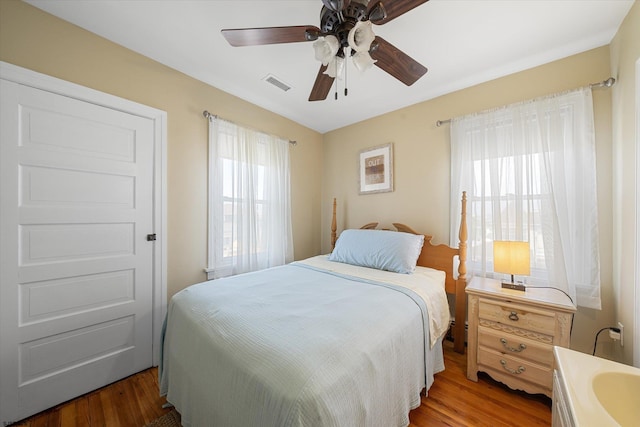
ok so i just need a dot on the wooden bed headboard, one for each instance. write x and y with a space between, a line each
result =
439 257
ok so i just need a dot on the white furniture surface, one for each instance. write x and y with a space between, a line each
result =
512 333
592 391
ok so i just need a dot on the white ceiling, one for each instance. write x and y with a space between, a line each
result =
461 42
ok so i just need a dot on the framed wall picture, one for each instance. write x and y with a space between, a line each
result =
376 169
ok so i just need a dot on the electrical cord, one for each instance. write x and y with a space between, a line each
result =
551 287
608 328
568 296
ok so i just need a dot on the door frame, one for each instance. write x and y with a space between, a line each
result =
636 328
26 77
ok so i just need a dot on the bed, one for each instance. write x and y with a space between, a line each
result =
334 340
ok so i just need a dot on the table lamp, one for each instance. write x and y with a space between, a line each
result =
511 257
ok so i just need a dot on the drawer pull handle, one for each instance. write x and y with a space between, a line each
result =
513 349
520 369
514 316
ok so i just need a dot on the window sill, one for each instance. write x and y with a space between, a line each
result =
219 272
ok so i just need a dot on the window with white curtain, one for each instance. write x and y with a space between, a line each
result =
249 200
529 172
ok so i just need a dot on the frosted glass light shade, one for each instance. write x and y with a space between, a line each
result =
363 61
361 36
511 257
326 48
335 67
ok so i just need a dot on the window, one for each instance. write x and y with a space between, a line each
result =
529 173
518 202
249 206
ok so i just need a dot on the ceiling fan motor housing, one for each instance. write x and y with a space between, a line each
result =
339 23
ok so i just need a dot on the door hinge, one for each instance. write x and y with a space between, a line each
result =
151 237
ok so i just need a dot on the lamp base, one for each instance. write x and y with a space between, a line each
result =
514 286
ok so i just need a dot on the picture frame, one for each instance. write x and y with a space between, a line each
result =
375 169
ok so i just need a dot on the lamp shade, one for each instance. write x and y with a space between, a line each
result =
511 257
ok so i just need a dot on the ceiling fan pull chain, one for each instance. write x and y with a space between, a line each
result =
335 80
346 65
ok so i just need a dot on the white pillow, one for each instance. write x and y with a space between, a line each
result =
384 250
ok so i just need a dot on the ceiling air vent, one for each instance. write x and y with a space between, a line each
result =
277 82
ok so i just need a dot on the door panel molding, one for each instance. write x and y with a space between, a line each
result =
35 310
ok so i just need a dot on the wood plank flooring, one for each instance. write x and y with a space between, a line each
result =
131 402
453 401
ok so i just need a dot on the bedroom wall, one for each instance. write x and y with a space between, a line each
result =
625 51
422 158
33 39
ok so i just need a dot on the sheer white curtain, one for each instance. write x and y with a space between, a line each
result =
529 172
249 200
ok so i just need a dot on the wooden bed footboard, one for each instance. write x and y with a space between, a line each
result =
440 257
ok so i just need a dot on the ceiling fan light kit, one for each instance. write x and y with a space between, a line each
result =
327 49
345 30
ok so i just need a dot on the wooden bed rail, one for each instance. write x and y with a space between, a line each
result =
440 257
334 226
459 328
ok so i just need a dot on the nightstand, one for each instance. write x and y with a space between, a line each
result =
512 333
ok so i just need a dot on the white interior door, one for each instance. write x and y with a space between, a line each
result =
76 279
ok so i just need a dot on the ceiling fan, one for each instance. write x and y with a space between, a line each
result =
345 30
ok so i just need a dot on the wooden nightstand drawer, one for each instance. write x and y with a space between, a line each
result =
516 345
519 316
515 369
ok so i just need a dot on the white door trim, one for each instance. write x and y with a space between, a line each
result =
37 80
636 328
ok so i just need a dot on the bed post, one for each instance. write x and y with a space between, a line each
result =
461 283
334 227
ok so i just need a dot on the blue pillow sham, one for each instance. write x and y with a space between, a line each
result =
381 249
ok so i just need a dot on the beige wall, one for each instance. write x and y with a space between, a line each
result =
625 51
36 40
422 159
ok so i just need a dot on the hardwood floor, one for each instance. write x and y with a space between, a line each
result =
453 401
131 402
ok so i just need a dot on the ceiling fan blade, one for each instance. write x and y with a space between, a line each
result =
270 35
322 85
381 12
336 5
396 62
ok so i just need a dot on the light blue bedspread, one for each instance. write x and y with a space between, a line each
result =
296 346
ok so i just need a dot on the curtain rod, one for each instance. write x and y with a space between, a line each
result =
605 83
207 115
